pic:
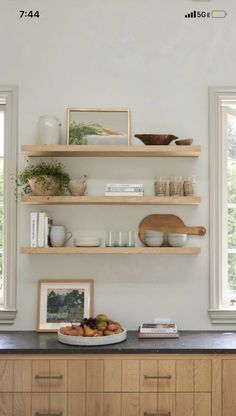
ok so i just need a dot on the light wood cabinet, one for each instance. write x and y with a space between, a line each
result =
6 375
6 404
94 377
45 376
229 387
117 385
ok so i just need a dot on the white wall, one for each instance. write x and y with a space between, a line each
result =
142 55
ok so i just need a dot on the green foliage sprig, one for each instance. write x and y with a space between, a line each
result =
40 172
79 131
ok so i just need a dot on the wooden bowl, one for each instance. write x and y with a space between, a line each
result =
156 139
185 142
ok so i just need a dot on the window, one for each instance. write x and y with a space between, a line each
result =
2 116
8 159
223 205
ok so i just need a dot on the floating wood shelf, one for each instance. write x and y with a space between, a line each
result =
110 200
110 151
111 250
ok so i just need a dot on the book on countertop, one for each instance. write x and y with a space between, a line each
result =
33 229
158 336
156 328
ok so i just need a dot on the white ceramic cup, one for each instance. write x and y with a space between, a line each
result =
59 236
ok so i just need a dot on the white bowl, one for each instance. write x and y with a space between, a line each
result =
154 241
153 233
177 240
92 341
87 242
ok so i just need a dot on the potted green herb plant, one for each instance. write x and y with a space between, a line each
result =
44 178
79 131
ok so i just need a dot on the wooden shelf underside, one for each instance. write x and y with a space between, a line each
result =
110 200
110 151
111 250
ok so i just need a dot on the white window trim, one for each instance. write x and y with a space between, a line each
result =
218 314
8 312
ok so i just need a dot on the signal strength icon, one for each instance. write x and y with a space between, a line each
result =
191 15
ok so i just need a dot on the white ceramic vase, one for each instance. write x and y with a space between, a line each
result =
48 130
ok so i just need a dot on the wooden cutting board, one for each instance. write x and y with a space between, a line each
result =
167 223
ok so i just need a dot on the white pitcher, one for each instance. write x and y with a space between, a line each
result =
59 236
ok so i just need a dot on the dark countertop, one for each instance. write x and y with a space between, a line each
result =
190 342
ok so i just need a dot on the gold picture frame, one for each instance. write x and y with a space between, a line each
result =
98 126
61 302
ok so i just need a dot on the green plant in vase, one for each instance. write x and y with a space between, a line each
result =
79 131
43 178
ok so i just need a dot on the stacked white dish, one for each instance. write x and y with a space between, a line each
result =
177 240
87 242
154 238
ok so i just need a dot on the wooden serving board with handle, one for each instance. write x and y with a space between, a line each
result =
167 223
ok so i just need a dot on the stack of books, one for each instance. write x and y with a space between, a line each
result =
124 189
40 224
158 330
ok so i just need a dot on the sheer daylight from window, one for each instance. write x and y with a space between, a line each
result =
1 206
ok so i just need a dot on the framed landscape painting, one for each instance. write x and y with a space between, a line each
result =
61 302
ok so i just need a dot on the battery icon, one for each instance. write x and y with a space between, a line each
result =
218 13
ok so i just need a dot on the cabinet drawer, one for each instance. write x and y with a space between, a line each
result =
76 376
175 376
49 403
58 376
157 375
40 374
175 404
22 376
130 375
49 376
76 404
112 375
229 387
193 376
6 404
6 375
94 373
22 404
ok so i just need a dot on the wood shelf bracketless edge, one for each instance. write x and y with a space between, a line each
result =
110 200
110 250
110 151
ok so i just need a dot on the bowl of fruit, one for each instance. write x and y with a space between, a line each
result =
93 331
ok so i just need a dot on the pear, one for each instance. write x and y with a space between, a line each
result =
88 332
113 327
80 331
65 330
98 333
101 325
107 332
118 331
101 317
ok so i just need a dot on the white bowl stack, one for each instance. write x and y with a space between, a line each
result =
177 240
87 242
154 238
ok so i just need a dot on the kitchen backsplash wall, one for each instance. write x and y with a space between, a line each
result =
135 54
